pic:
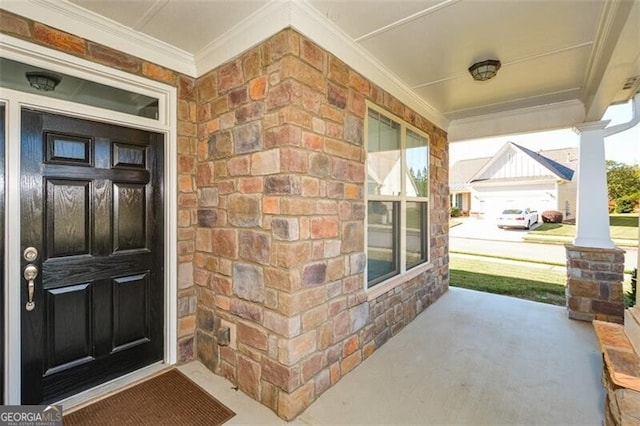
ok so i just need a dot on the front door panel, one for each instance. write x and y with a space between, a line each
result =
92 207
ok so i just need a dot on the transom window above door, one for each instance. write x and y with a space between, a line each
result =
27 78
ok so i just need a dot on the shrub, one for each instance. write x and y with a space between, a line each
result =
551 216
455 211
624 204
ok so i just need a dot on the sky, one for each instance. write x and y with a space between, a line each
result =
623 147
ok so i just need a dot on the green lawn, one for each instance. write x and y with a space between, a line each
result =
623 227
626 220
540 284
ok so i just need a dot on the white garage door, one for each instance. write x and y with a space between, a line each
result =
491 203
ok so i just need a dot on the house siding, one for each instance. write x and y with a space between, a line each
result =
271 215
567 196
514 164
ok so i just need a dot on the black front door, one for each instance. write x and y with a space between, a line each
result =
92 208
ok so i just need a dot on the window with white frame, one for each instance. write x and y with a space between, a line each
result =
397 197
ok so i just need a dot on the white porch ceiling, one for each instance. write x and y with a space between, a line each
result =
563 61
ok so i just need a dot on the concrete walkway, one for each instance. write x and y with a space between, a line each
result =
471 358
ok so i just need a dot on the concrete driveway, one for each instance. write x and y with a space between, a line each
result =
486 229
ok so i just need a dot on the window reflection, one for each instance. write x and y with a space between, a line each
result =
383 156
417 165
382 243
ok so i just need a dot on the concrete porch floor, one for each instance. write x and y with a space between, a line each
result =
470 358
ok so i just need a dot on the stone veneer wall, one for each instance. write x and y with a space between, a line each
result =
621 404
619 374
280 211
594 284
44 35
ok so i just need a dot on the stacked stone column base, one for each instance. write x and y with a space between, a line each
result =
594 283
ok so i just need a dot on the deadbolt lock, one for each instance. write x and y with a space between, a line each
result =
30 254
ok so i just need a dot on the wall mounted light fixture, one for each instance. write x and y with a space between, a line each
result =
482 71
43 81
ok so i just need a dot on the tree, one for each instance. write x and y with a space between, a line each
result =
421 180
622 180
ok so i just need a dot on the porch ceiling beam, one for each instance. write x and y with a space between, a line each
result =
561 115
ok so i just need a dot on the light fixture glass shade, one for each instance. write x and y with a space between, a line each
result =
42 81
482 71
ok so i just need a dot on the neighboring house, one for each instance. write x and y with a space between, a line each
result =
516 176
459 183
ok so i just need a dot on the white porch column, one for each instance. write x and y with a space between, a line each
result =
592 214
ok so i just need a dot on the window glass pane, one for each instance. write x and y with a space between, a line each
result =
416 233
382 233
383 156
13 75
417 165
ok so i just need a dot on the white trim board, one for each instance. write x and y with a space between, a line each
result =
14 100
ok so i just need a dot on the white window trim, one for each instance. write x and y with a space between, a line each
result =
22 51
403 275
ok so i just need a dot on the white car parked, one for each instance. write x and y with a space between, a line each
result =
517 218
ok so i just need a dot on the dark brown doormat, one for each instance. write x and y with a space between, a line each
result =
167 399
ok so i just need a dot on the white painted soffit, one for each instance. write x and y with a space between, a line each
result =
560 115
75 20
265 22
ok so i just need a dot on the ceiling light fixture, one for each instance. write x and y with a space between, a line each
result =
42 81
485 70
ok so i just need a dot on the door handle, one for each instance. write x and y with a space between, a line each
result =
30 274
